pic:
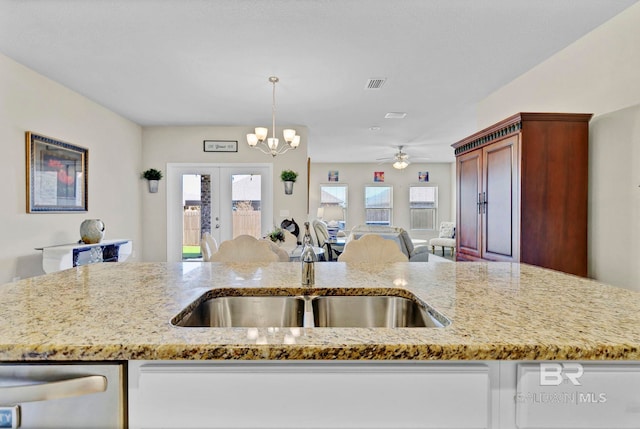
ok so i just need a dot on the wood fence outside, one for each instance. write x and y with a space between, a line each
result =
244 222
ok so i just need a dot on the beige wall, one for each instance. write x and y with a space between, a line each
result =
597 74
31 102
358 175
162 145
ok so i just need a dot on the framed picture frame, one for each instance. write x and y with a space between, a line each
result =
220 145
56 175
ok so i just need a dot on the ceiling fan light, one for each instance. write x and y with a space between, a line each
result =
296 142
261 133
252 139
401 164
289 135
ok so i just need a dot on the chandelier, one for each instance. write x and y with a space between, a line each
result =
272 146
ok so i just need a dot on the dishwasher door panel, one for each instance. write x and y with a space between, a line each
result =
58 395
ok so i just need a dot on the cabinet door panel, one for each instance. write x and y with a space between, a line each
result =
596 396
500 194
309 395
469 188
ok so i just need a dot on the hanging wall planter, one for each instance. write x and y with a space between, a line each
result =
153 176
288 177
153 186
288 187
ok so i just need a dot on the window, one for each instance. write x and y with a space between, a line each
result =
378 203
423 203
333 204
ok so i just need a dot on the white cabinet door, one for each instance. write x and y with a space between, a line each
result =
308 395
579 395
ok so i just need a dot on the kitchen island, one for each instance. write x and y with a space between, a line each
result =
504 317
122 311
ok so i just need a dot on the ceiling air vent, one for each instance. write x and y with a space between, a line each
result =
396 115
375 83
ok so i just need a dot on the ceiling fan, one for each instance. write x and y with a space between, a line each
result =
400 159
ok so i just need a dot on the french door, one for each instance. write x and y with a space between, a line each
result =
225 200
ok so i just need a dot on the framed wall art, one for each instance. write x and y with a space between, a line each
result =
56 175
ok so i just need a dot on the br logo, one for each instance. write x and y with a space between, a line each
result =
553 374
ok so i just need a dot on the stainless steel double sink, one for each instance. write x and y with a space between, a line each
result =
351 308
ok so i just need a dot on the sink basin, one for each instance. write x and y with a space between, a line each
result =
351 308
245 312
371 312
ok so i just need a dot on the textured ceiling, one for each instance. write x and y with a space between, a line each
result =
197 62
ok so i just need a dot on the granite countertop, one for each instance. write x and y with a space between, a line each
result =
122 311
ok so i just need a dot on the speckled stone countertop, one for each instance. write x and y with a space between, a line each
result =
122 311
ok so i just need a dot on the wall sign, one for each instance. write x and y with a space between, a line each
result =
220 145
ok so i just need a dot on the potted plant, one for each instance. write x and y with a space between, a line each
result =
288 177
276 235
153 176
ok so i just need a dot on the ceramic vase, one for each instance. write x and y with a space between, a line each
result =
91 231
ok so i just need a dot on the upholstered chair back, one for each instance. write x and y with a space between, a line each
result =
281 252
322 233
245 248
208 246
372 248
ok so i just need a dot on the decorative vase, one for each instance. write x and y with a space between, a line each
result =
153 186
91 231
288 187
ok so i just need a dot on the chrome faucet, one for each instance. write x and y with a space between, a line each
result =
308 266
308 258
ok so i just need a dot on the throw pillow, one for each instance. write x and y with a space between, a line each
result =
447 230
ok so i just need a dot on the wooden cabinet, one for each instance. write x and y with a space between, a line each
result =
522 192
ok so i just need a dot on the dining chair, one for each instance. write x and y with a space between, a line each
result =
372 248
245 248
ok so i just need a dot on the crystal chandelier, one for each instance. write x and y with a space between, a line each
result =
272 146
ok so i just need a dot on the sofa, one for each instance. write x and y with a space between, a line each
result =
397 234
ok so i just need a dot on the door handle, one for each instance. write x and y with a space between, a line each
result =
33 391
479 203
217 225
484 202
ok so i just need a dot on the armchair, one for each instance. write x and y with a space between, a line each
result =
446 238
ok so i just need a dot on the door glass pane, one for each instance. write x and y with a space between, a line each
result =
196 218
246 196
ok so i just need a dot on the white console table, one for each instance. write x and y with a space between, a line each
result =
56 258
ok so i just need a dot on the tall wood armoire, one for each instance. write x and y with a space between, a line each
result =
522 192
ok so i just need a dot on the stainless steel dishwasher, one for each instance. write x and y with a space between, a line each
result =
76 395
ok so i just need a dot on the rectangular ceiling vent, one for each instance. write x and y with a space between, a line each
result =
375 83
